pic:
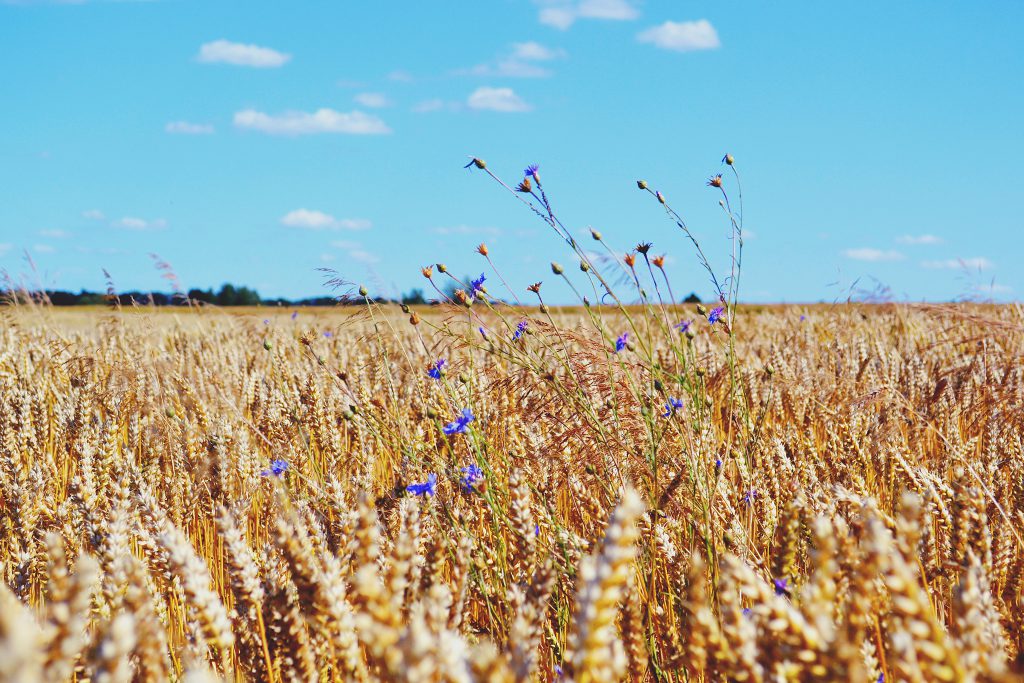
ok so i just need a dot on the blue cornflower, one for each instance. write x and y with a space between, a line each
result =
460 423
477 285
531 171
520 329
747 611
483 333
621 342
427 488
277 468
781 586
749 497
266 321
716 314
295 314
434 369
683 326
471 476
803 318
718 463
328 334
672 406
881 678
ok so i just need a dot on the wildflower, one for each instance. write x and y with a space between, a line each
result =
525 187
671 407
781 586
481 249
295 314
277 468
803 318
621 342
630 259
535 288
749 497
483 333
478 284
428 271
426 488
658 261
531 171
520 329
460 423
643 247
716 314
536 529
471 476
266 321
718 463
328 334
660 196
683 326
715 181
435 368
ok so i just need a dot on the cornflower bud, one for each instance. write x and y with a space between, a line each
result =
701 310
728 159
660 196
362 291
595 234
442 268
267 345
641 184
462 298
556 268
544 308
584 266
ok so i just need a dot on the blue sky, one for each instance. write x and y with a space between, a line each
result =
254 142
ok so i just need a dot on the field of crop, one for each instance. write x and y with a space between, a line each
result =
793 493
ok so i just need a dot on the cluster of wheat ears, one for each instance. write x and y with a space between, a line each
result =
592 494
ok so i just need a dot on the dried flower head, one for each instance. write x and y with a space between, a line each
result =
525 186
658 261
630 259
535 288
643 247
715 180
481 249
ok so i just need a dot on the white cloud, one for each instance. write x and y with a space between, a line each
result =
43 248
304 123
374 100
973 263
93 215
5 247
186 128
435 104
535 52
135 223
682 36
240 54
992 288
55 234
874 255
562 15
326 257
318 220
400 77
919 239
355 251
497 99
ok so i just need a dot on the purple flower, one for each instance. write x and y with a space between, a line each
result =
520 329
277 468
426 488
328 334
434 370
460 423
531 171
749 497
718 463
621 342
683 326
266 321
478 284
295 314
716 314
781 586
471 476
482 332
672 406
803 318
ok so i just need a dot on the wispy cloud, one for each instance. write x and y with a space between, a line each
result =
186 128
973 263
873 255
919 239
310 219
561 14
55 234
136 223
434 104
43 248
240 54
93 214
356 252
374 100
400 76
520 62
682 36
304 123
497 99
5 247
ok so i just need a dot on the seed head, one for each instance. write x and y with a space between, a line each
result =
584 266
442 268
715 180
643 247
535 288
728 159
414 319
595 234
556 268
428 271
481 249
363 291
658 261
463 298
267 345
525 187
641 184
544 308
630 259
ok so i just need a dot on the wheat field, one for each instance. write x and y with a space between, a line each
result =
820 493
